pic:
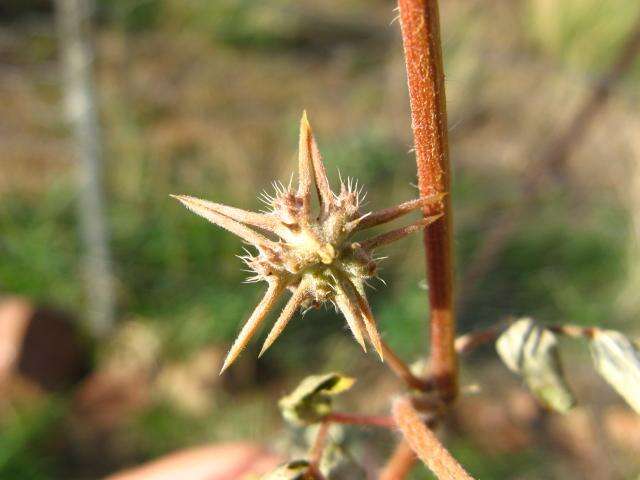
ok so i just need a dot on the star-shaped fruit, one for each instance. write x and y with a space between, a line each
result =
312 254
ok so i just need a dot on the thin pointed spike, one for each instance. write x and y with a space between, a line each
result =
201 207
254 322
354 319
397 234
325 195
288 311
353 224
255 219
305 167
355 297
388 214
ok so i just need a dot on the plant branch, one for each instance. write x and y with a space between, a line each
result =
400 463
315 453
425 443
402 370
470 341
358 419
425 74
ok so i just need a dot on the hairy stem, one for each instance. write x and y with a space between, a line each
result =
389 214
425 74
425 443
397 234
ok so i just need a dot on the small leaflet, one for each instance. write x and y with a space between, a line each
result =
294 470
310 402
617 360
531 351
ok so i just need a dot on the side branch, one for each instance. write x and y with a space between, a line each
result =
397 234
425 74
470 341
402 370
359 419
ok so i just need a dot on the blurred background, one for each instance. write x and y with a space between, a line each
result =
203 98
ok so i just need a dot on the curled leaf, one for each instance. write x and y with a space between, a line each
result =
531 351
294 470
310 402
617 360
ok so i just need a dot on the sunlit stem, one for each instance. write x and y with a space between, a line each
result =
425 443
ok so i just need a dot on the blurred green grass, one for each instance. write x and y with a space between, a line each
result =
26 437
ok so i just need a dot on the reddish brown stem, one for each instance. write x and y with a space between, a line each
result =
316 474
425 74
402 370
425 443
400 464
470 341
574 331
357 419
315 454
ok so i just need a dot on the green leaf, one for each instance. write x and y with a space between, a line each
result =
310 402
617 359
294 470
531 351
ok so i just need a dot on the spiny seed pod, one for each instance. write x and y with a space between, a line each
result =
312 254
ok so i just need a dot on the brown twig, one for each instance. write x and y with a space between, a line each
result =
400 463
419 20
553 159
316 473
358 419
470 341
574 331
425 443
402 370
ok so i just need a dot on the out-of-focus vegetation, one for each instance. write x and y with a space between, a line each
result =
203 98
